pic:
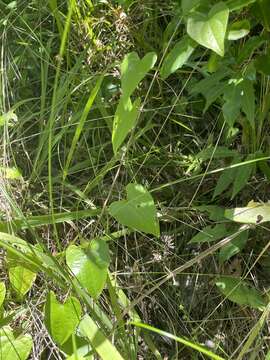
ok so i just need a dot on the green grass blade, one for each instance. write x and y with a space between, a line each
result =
98 340
80 125
183 341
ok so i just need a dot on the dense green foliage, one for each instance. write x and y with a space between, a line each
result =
134 179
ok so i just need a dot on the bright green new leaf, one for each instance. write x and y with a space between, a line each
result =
90 265
234 247
138 211
134 69
239 29
12 348
209 30
2 293
177 57
253 213
124 120
211 233
61 320
98 340
240 292
21 279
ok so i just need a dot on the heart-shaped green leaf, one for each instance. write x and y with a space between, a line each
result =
12 348
21 279
138 211
209 29
61 319
90 265
124 120
134 69
240 292
177 56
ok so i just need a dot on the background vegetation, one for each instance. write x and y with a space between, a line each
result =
134 179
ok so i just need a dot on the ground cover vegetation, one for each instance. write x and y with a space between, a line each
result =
135 173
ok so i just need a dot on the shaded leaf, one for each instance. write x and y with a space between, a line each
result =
238 4
242 176
61 320
90 265
262 64
138 211
240 292
209 29
234 247
211 233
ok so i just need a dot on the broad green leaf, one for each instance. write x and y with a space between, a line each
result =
238 30
124 120
261 10
76 344
240 292
219 152
12 348
177 57
138 211
234 247
188 5
238 4
90 265
98 340
61 320
262 64
11 173
211 233
215 212
232 103
226 178
249 47
253 213
2 293
242 175
248 100
134 69
209 30
21 279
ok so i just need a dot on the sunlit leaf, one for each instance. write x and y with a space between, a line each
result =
89 265
177 57
61 320
253 213
2 293
98 340
124 120
21 279
134 69
138 211
209 29
14 348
